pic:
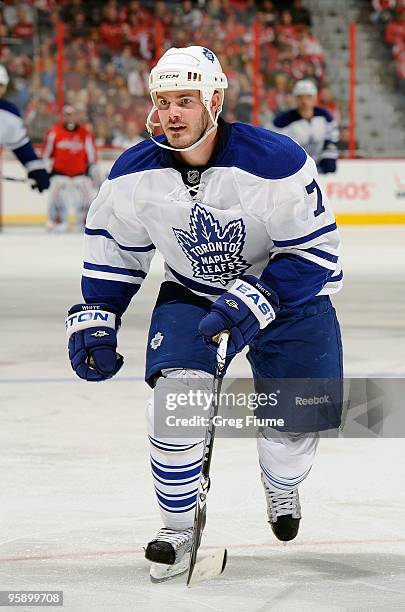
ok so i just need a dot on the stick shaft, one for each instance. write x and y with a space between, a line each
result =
204 482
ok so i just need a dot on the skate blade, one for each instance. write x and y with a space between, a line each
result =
160 572
208 567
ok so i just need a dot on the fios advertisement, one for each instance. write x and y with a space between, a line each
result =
360 187
366 186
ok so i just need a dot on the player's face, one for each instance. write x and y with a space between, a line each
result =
2 89
305 103
183 117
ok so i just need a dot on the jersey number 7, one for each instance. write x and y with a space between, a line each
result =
320 208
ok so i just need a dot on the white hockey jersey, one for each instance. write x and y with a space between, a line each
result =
13 135
256 208
319 135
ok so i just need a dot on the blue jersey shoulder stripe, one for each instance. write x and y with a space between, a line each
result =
284 119
114 270
260 152
323 230
144 156
101 232
194 286
323 254
323 112
9 107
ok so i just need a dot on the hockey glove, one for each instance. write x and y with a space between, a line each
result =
39 179
92 332
246 308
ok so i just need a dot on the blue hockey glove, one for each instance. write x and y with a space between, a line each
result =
246 308
92 332
40 179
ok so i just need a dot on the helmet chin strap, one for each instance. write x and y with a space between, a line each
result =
189 148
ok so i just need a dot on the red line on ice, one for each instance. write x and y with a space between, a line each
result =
137 551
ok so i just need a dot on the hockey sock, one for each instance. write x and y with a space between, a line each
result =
285 459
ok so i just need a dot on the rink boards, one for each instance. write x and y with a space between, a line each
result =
363 191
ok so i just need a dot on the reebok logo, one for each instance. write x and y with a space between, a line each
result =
311 401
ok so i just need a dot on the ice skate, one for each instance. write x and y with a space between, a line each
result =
169 553
284 512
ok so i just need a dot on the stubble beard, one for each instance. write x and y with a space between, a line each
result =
198 131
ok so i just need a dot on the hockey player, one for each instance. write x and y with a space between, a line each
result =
71 149
250 245
311 126
14 136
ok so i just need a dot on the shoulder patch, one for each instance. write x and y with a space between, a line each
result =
261 152
145 155
9 107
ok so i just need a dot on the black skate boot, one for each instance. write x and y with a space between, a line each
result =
284 512
169 553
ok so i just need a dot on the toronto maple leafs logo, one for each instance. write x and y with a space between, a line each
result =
209 55
215 252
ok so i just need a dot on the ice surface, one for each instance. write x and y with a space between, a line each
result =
77 502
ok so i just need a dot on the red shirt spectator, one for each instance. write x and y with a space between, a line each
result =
23 27
395 31
110 29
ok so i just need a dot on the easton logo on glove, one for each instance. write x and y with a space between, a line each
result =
92 331
256 298
246 308
89 318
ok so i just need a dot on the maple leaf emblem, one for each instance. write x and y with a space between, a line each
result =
215 253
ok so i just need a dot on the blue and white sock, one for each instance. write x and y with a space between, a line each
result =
286 459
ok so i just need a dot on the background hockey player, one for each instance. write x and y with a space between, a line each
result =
311 126
251 198
13 135
71 151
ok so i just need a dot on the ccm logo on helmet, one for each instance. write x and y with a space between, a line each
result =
86 316
169 76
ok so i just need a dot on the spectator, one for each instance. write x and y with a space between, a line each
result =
395 30
300 15
3 27
383 11
327 101
190 16
132 135
110 29
270 13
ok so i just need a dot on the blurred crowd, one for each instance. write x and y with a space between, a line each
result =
390 16
110 46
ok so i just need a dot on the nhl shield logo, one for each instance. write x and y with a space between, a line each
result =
193 176
215 252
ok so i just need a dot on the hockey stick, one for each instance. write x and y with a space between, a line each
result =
15 179
211 566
